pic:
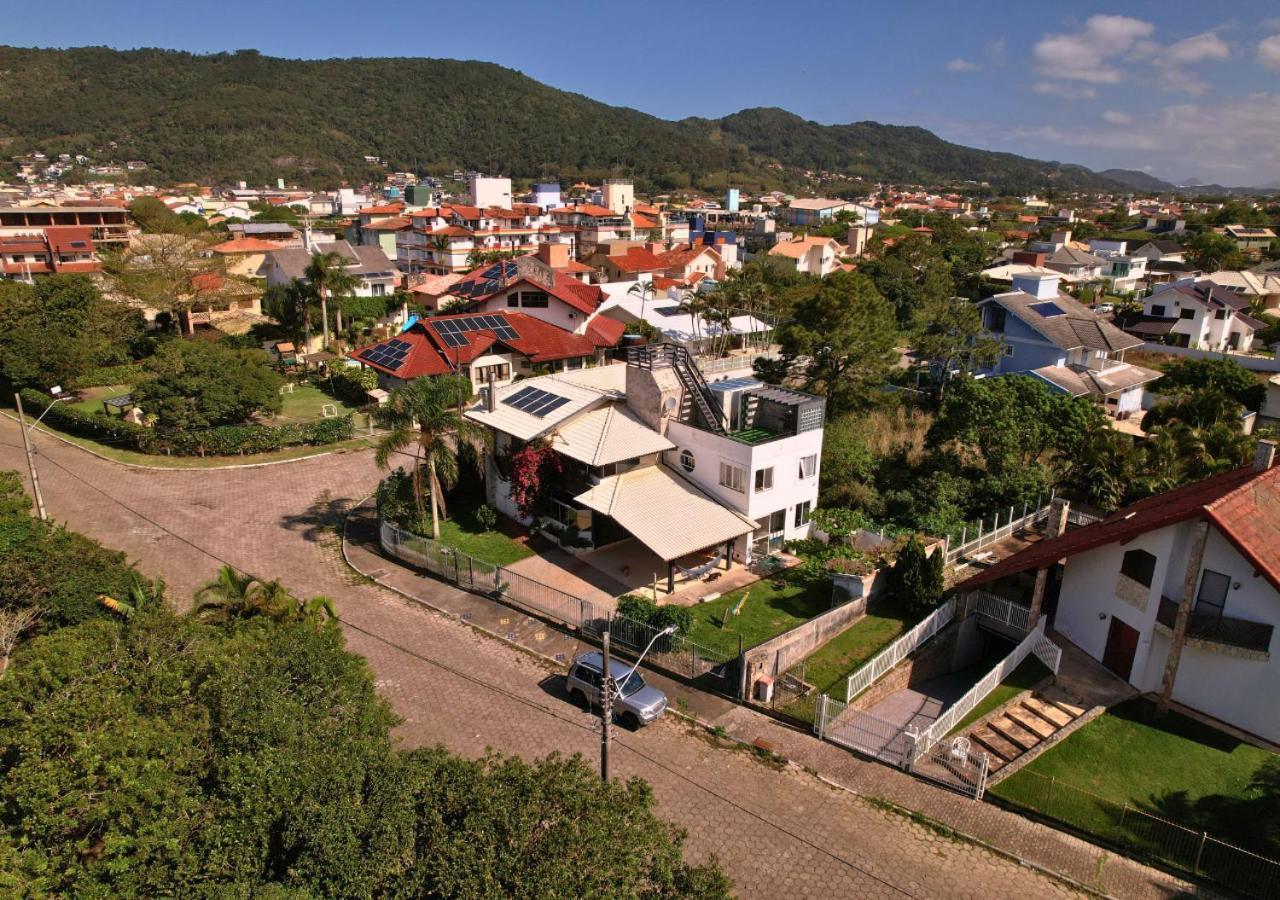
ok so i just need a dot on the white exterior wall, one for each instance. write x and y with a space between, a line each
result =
487 191
557 312
1221 681
784 454
493 359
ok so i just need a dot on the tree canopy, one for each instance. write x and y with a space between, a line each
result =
193 384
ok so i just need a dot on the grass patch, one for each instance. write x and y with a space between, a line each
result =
306 404
774 605
1029 673
91 401
463 531
828 667
1172 767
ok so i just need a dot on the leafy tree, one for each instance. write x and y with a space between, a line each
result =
1224 375
152 215
194 384
1210 251
913 276
232 595
952 339
172 272
427 414
844 339
60 329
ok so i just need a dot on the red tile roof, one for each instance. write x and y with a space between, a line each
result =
1243 504
394 223
537 340
466 212
245 245
637 259
586 209
387 209
604 331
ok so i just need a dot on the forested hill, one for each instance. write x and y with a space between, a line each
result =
245 115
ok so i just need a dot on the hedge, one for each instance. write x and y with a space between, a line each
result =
225 440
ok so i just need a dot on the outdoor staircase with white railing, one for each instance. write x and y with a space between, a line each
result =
1024 725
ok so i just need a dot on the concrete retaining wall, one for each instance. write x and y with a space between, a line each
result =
933 660
778 654
1253 363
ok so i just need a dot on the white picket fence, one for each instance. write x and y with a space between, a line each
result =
999 610
890 656
1012 525
1035 642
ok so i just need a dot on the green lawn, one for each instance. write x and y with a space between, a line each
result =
1028 674
307 403
1171 767
463 532
93 397
828 667
774 605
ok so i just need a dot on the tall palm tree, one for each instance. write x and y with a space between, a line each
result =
645 291
427 413
695 304
328 275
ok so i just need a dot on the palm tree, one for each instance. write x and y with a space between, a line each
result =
232 595
645 291
328 275
696 305
427 413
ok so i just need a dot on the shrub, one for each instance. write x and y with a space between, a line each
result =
351 384
657 617
487 516
96 426
917 579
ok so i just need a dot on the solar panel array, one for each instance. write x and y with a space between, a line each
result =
389 355
1048 309
489 281
454 331
535 401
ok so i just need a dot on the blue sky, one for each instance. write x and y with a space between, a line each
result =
1182 90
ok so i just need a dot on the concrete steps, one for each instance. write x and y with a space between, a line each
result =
1024 726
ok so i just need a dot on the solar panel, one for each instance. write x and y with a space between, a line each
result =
1048 309
669 311
535 401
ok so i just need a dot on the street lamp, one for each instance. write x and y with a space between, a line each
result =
606 695
26 445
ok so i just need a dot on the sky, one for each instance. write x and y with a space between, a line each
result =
1181 90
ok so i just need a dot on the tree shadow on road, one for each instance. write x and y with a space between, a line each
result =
322 519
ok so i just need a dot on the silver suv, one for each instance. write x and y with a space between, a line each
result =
635 702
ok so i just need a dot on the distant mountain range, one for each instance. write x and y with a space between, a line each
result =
258 118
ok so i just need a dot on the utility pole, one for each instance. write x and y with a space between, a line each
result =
31 460
606 710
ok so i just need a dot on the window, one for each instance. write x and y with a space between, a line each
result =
533 299
808 465
764 479
734 478
1188 314
1220 314
687 462
379 290
1140 566
1157 309
802 513
1008 349
1213 593
513 300
501 372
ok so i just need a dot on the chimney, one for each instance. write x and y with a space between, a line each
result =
1265 456
490 397
554 255
1042 287
1029 257
1056 525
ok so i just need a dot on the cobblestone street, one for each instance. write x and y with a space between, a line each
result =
778 830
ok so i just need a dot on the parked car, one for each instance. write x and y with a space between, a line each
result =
1104 308
636 703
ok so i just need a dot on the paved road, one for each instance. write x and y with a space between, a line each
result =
776 832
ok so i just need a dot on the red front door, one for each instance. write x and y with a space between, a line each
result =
1122 644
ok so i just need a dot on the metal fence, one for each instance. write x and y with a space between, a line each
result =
985 538
955 764
999 610
1034 642
861 679
1147 836
861 731
676 653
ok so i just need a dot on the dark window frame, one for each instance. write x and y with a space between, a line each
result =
1139 565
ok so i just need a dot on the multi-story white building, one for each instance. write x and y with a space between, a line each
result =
1197 314
445 239
485 191
689 473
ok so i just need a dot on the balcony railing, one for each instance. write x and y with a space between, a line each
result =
1218 629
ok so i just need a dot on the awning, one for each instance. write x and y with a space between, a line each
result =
664 512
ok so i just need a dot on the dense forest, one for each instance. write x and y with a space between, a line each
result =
231 116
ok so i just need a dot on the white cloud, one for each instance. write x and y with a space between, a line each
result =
1117 117
963 65
1087 55
1066 91
1229 140
1197 49
1269 52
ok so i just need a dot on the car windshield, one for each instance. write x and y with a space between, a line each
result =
633 683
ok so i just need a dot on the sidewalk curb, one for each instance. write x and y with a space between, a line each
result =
45 430
743 744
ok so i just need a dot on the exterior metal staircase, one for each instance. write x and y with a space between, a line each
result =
696 395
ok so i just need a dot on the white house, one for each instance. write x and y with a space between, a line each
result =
808 255
1196 314
375 275
1123 270
1213 546
660 468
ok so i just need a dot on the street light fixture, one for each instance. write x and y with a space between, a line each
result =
26 445
606 695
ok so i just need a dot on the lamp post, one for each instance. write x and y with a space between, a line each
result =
606 695
26 445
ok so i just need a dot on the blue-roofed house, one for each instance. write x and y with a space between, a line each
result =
1052 336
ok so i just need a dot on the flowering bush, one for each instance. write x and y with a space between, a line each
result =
531 472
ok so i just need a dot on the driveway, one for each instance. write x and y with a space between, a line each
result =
776 832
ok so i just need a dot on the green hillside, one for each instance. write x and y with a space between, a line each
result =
253 117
